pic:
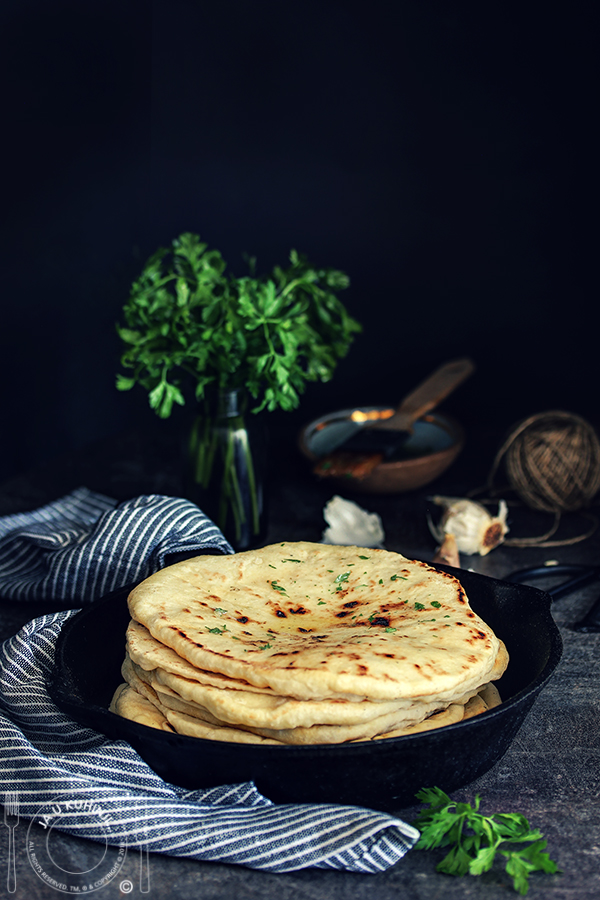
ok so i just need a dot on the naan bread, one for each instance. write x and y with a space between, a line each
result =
148 653
146 684
130 704
137 700
247 708
490 693
312 620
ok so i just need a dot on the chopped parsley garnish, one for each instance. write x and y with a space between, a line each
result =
217 630
277 587
264 647
396 577
389 628
436 604
364 557
340 579
321 603
419 606
292 560
219 612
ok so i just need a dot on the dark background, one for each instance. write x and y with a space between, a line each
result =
439 153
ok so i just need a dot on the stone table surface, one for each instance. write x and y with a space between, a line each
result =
550 773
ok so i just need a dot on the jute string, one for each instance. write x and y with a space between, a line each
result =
552 461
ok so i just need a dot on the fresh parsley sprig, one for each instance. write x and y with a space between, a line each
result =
475 839
187 320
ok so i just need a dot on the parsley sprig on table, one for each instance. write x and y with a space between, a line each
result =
475 840
186 319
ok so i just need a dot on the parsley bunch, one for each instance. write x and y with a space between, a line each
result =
475 839
187 320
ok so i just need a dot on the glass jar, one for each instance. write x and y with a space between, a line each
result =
226 467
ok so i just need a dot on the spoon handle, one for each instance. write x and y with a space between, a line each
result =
435 388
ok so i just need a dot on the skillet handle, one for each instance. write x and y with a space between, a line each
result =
582 575
590 624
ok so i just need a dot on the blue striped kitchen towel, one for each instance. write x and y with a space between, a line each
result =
85 545
78 549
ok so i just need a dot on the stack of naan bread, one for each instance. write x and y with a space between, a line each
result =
301 643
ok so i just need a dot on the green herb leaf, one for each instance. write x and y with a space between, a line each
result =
476 840
341 580
186 320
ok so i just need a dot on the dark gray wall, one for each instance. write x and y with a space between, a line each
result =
440 153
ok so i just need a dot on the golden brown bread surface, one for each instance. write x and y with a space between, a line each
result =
309 620
301 643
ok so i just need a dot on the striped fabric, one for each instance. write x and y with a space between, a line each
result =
101 789
83 546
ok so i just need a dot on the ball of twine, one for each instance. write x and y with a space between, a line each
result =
552 461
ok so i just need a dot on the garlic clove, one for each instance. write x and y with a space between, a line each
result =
447 552
475 529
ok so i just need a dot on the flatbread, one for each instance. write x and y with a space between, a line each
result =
491 695
260 710
128 703
148 653
133 703
167 700
453 713
312 620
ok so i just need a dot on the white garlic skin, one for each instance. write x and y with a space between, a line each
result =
475 530
350 525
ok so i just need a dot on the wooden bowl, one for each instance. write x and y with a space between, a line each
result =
434 445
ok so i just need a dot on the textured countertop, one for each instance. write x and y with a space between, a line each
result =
551 773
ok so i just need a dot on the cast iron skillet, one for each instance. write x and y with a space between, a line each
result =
383 774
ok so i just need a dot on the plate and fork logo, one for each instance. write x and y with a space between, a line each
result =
11 820
41 857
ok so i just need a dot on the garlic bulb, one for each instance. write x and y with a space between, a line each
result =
475 530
